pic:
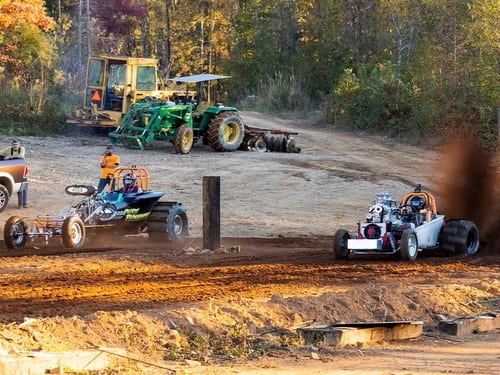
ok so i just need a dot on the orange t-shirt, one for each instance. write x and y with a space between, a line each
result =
110 163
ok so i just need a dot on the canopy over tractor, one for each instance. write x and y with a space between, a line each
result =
185 122
114 83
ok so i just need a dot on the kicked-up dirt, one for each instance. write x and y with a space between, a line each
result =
190 310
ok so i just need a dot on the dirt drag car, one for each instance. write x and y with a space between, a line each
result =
109 215
406 229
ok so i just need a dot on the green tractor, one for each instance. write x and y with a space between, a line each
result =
184 123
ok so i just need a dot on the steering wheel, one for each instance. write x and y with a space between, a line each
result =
404 209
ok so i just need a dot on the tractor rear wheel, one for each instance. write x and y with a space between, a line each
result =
226 131
183 139
14 233
340 249
73 232
167 222
409 245
460 237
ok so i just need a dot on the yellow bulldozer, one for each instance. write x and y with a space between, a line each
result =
114 83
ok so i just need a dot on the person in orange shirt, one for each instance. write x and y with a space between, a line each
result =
108 162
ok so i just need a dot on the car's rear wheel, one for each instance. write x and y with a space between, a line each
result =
409 245
460 237
167 223
340 249
73 232
4 198
14 233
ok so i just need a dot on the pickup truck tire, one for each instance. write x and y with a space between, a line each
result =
340 249
460 237
14 233
4 198
409 245
183 139
167 223
73 232
226 132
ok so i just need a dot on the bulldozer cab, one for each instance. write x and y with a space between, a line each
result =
114 83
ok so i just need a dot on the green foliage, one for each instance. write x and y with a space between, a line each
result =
374 101
278 95
19 117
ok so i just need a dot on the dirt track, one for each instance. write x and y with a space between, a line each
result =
121 279
280 209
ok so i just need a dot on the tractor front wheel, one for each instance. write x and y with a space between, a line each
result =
183 139
226 131
73 232
14 233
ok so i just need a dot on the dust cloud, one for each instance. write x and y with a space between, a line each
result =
471 190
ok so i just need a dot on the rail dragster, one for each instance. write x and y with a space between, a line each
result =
108 216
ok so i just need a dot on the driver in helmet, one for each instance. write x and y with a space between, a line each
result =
130 184
418 203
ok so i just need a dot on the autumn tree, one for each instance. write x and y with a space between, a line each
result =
25 45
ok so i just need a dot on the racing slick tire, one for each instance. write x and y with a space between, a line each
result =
460 237
183 139
14 233
73 232
409 245
226 132
340 249
4 198
167 223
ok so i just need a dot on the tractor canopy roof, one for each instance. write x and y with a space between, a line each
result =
198 78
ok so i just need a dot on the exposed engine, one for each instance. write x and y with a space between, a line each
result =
384 208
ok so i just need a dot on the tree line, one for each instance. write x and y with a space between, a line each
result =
412 69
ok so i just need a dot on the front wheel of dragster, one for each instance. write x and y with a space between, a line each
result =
73 232
183 139
15 233
408 245
340 249
226 132
168 223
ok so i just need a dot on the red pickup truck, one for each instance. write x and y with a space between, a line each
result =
13 178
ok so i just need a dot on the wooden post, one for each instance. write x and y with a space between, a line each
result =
211 212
